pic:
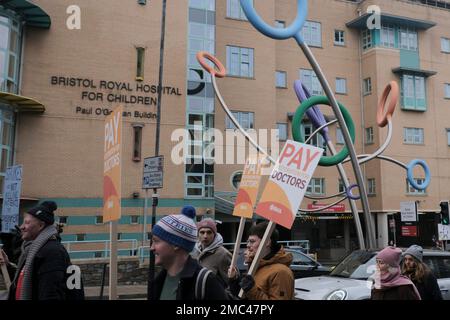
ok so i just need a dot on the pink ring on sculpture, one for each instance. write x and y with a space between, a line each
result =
201 55
391 88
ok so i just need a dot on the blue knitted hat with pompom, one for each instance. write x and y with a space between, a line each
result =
178 229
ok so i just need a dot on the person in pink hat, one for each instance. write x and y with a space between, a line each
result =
389 283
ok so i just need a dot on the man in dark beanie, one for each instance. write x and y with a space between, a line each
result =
41 270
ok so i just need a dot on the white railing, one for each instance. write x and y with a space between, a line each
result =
104 247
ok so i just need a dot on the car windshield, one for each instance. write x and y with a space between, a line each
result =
358 265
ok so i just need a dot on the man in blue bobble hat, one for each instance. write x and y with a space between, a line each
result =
181 278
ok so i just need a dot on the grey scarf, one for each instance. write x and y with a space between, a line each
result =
30 249
200 251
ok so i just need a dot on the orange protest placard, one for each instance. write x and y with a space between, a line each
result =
112 166
248 188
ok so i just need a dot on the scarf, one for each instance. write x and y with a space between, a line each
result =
30 249
217 242
392 278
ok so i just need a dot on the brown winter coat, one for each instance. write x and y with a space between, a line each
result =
405 292
274 279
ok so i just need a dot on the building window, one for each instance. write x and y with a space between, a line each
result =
445 45
316 186
140 52
413 96
137 142
236 179
312 33
371 189
81 237
63 219
411 190
367 86
98 254
341 186
369 135
10 49
6 142
281 79
339 136
341 85
234 10
366 36
448 137
99 220
447 90
339 38
413 135
282 131
407 39
388 36
134 219
245 119
280 24
119 236
240 61
311 81
317 140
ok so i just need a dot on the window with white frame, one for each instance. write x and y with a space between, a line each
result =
245 119
280 24
339 38
367 86
282 131
339 136
341 85
371 188
407 39
311 81
413 135
448 136
240 61
447 90
369 135
312 33
316 186
411 190
134 219
366 37
99 220
387 37
281 79
234 10
317 140
413 94
445 45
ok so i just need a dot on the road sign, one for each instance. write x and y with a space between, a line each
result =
443 232
152 177
11 198
409 231
408 211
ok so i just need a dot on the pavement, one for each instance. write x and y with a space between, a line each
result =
130 292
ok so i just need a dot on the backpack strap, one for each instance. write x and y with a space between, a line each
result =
200 283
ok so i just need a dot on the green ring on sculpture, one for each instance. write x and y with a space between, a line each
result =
297 133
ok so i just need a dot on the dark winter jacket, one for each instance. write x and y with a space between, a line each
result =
428 288
186 286
49 276
405 292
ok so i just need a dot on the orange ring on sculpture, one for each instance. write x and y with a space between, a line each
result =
392 89
201 55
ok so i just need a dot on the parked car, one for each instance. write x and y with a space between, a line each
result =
349 279
302 265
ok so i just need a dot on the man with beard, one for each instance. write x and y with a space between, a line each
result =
419 273
273 279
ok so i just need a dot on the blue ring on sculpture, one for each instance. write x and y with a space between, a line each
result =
410 174
349 193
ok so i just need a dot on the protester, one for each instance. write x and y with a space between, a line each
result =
390 284
419 273
209 250
181 278
42 267
273 279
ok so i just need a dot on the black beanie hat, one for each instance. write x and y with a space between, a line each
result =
44 212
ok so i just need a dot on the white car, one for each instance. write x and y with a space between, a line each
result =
349 279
